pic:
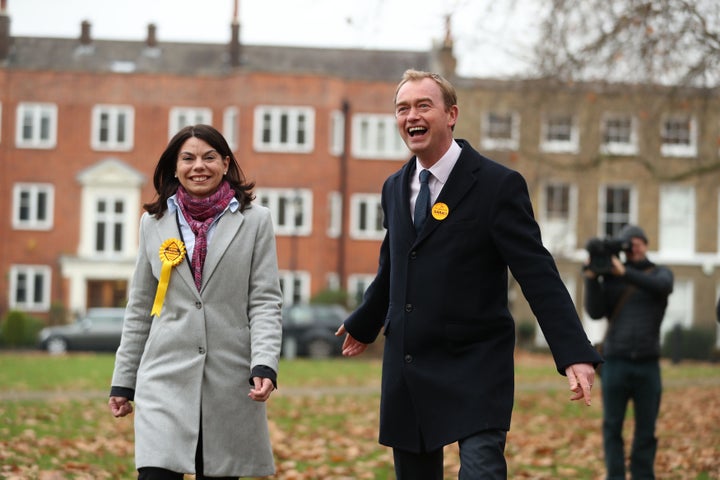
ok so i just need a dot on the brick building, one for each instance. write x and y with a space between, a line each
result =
83 122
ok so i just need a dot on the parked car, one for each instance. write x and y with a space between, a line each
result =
98 330
309 330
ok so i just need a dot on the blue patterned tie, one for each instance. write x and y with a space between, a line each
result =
422 202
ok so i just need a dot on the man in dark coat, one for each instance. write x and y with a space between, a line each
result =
633 297
440 295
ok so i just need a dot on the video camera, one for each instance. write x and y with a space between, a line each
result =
601 251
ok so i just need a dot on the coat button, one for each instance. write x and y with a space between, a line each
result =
201 350
408 358
198 305
408 307
413 255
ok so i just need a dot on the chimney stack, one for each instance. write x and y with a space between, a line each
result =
85 38
234 49
4 31
445 60
152 36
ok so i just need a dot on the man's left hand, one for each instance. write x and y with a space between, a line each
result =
581 377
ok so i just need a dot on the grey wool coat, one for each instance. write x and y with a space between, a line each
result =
191 364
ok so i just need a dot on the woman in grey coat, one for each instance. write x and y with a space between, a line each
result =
202 331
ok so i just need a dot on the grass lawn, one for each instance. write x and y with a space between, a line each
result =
324 422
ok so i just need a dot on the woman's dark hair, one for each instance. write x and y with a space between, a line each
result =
166 183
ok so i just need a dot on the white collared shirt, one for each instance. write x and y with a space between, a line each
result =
439 175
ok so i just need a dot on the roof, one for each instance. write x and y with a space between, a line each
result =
67 54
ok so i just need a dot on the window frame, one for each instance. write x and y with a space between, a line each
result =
284 204
34 189
110 221
552 145
39 113
300 282
373 208
611 147
113 113
45 274
299 122
679 149
486 128
619 219
375 136
178 114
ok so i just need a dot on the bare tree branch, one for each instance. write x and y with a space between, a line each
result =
637 41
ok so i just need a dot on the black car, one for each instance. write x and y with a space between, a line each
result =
98 330
309 330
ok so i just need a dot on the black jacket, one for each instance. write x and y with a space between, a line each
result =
634 333
442 298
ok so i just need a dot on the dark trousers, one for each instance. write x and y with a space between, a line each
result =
155 473
622 381
481 457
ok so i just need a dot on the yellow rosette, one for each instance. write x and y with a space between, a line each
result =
172 252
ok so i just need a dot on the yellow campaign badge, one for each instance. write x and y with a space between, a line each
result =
440 211
172 252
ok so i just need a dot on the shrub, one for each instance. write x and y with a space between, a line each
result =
20 329
331 297
688 343
526 333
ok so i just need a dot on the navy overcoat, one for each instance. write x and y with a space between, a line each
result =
442 298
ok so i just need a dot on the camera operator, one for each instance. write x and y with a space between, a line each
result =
633 296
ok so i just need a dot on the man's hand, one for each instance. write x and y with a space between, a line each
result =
618 269
581 377
351 347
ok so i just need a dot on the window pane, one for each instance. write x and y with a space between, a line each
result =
558 201
38 289
301 130
27 125
500 126
100 237
41 206
282 211
117 237
362 215
267 128
104 127
21 293
284 129
121 121
45 128
24 207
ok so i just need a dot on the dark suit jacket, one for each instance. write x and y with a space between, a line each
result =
442 298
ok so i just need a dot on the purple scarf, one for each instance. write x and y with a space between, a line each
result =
200 214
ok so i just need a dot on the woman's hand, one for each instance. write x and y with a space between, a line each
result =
120 406
262 390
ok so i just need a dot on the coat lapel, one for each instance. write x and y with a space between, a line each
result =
225 230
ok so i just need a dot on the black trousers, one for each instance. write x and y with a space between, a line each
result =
481 457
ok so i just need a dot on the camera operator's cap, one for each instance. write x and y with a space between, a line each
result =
632 231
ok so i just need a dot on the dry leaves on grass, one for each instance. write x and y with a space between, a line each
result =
334 437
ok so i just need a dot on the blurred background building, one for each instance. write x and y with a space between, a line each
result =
84 120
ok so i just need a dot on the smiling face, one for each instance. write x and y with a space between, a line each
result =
424 122
200 168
